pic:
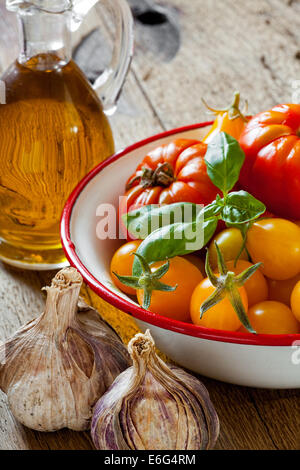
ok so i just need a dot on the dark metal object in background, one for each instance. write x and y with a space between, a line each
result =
156 30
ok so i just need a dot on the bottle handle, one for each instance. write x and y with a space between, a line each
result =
110 83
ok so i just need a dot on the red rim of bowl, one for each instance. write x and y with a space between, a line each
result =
134 310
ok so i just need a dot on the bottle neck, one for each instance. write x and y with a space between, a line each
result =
45 40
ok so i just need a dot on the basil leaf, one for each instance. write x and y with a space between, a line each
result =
224 159
213 210
175 240
142 222
241 207
209 228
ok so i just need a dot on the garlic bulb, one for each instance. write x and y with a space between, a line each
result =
55 368
152 406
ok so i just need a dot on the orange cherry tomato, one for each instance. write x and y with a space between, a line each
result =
272 318
220 317
256 287
121 264
275 243
295 301
281 291
198 262
174 304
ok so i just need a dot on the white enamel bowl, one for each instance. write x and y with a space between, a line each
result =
253 360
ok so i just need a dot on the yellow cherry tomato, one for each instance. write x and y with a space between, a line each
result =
121 264
295 301
174 304
220 317
229 120
256 287
198 262
230 242
272 318
275 243
281 291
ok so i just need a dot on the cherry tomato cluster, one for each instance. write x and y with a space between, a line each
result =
273 292
269 296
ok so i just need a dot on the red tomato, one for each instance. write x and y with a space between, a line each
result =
175 172
271 142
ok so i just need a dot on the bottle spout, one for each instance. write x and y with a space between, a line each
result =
80 9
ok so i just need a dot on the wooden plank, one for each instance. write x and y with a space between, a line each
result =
280 413
162 95
228 45
241 426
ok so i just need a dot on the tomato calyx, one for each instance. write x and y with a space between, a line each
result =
148 281
163 175
227 285
233 110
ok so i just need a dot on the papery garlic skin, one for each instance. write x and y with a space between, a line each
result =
57 366
152 406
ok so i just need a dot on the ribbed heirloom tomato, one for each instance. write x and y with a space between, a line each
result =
271 172
175 172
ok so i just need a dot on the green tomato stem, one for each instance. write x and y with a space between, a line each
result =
236 302
148 281
221 263
227 285
217 296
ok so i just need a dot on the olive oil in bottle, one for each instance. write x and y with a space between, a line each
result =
52 132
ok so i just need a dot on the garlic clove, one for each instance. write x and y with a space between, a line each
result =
57 366
152 406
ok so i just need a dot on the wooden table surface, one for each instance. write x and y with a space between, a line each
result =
225 45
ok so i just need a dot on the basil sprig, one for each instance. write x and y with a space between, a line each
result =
238 208
224 160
